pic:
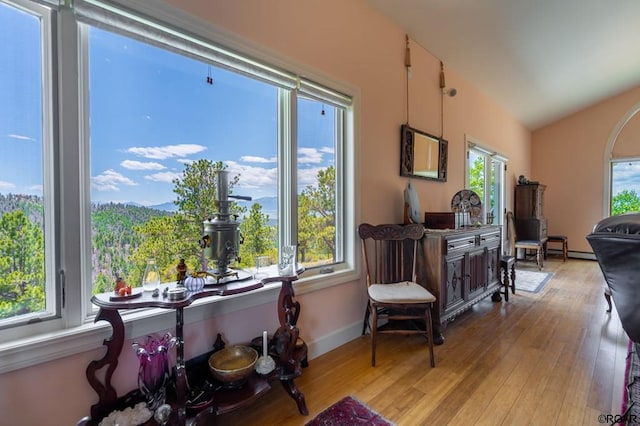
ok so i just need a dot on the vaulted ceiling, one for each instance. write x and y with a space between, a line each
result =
541 60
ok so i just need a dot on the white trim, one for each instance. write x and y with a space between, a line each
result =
608 156
22 353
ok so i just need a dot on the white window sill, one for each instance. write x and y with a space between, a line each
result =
22 353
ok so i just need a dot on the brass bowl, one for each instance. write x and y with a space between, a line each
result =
233 364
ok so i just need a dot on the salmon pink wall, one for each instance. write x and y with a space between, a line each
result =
348 42
568 156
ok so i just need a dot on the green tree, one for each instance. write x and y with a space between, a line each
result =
258 237
477 176
165 240
316 218
625 201
197 194
21 265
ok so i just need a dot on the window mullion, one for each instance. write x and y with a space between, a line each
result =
70 208
287 180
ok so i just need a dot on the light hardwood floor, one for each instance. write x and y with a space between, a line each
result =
552 358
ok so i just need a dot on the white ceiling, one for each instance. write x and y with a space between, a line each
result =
539 59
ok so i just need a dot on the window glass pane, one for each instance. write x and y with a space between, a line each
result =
317 133
625 186
494 209
162 124
23 281
477 173
485 177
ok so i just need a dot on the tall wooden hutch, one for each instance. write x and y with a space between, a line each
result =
528 212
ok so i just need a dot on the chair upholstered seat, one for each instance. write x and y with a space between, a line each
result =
402 292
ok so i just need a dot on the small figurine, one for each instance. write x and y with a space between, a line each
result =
522 180
122 288
182 272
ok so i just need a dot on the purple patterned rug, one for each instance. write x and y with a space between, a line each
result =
349 411
630 410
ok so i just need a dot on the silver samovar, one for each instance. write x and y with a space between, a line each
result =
221 242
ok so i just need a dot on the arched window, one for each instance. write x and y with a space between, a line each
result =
622 162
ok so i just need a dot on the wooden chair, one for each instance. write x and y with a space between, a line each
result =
515 243
389 253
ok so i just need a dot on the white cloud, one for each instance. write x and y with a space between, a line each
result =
185 160
36 188
6 186
253 177
21 137
626 176
328 150
308 176
168 151
139 165
309 155
163 177
110 180
255 159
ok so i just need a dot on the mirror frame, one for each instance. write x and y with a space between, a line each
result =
407 142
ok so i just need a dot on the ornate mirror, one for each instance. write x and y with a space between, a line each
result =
422 155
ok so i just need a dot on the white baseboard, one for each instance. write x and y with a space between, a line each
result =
573 254
334 339
582 255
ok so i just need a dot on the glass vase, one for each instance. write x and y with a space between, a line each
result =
154 370
151 277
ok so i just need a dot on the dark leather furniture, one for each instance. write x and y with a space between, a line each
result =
616 245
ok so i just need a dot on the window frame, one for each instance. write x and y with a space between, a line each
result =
51 318
74 330
490 155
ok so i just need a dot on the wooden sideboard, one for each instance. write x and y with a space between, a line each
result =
460 267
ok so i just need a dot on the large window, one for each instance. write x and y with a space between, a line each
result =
485 172
27 247
147 117
625 185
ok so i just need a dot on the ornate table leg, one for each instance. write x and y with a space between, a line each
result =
107 395
181 374
292 354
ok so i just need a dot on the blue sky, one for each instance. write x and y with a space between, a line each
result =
152 112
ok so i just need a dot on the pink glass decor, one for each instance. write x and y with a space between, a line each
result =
154 368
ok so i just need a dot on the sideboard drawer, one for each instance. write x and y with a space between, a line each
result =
490 239
459 244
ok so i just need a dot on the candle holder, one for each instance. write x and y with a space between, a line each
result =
265 363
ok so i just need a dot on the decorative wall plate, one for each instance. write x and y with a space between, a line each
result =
467 201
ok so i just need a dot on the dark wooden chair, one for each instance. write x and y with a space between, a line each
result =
558 239
516 243
389 253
